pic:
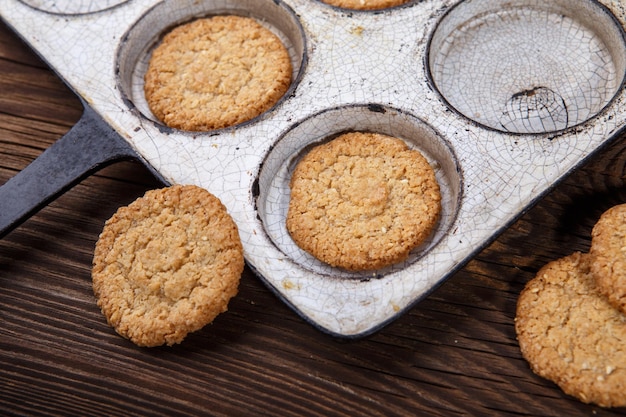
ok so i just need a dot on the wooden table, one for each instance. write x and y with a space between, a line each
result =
453 354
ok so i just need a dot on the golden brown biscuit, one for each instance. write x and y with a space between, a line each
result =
365 4
608 249
167 265
216 72
362 201
571 335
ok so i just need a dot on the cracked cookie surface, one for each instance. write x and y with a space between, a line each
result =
216 72
362 201
166 265
570 334
608 249
365 4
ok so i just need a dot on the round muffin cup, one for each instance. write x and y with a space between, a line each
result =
138 43
527 66
273 192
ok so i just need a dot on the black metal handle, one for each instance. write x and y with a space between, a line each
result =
90 145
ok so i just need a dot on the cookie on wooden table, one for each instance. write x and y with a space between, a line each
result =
166 265
365 4
362 201
608 249
570 334
216 72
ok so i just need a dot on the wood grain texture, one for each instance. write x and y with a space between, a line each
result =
454 354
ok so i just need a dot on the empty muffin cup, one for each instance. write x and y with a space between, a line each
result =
527 66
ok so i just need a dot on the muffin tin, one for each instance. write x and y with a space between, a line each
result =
503 98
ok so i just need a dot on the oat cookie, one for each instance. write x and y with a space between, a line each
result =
365 4
608 248
571 335
362 201
216 72
167 265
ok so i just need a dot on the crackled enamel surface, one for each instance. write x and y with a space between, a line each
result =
74 7
357 68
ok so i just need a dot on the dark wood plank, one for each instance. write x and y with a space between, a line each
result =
454 354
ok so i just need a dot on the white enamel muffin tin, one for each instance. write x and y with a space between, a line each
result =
504 99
